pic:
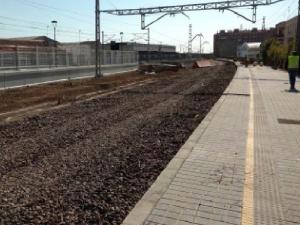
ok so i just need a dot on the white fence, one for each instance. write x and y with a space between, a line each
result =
47 57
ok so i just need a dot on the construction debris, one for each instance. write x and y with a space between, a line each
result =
206 63
158 68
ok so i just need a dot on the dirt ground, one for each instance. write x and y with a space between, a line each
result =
91 162
62 92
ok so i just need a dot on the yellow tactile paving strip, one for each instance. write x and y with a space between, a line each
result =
240 166
247 213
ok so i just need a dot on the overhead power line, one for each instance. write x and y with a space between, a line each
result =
112 4
73 15
282 12
44 29
76 16
42 5
222 5
176 9
62 12
22 20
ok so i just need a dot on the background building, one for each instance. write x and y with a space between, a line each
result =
226 43
41 41
44 52
36 51
139 47
84 52
286 31
280 31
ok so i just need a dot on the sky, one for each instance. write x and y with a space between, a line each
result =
76 20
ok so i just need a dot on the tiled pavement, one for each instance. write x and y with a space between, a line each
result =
240 166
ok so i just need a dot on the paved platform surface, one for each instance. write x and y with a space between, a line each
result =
240 166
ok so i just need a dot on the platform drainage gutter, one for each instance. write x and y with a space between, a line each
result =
288 121
237 94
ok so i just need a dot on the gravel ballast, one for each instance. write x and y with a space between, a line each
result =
90 163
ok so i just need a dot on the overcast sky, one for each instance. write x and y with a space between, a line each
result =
33 17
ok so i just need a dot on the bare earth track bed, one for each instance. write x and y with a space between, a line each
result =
90 162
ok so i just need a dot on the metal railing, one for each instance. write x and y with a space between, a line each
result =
16 58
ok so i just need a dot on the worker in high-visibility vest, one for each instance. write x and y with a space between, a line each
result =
293 69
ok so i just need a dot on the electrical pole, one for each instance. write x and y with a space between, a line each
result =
103 46
200 37
97 33
264 23
103 38
204 43
47 30
298 30
121 36
190 48
79 45
148 40
121 44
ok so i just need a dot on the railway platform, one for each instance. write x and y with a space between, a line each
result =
240 166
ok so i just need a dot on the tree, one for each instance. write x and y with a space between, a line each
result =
265 48
275 53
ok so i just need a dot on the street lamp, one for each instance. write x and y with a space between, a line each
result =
121 35
54 23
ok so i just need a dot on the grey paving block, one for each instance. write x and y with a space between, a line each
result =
206 181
